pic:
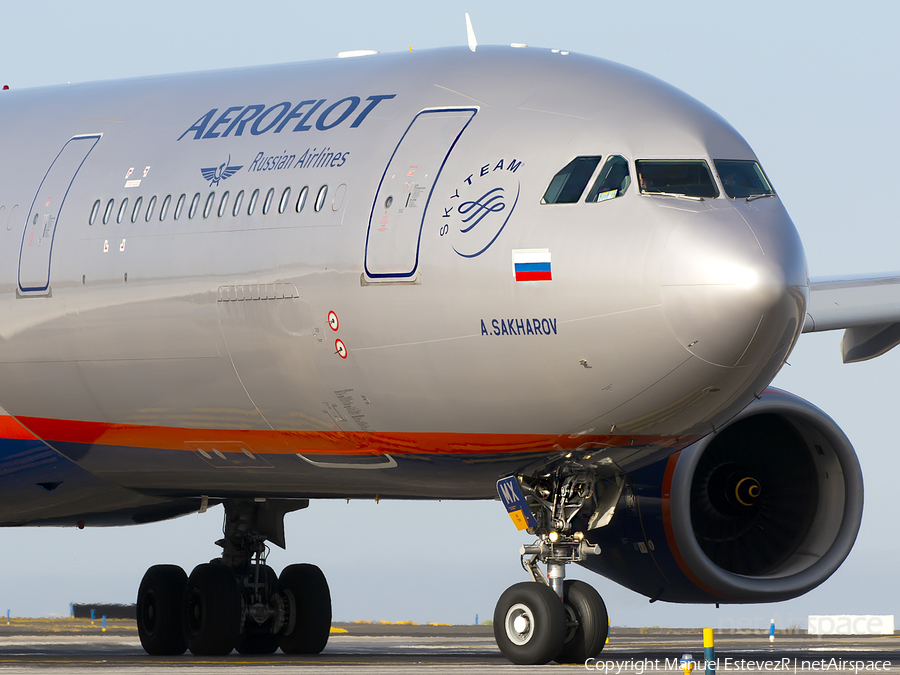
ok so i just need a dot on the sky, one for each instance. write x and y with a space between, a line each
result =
812 86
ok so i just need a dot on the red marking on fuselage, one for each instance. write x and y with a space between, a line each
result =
10 429
328 442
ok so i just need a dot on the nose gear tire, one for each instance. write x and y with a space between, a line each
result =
529 623
583 605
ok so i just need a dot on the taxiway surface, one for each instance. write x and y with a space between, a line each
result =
49 647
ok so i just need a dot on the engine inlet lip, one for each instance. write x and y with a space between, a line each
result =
787 582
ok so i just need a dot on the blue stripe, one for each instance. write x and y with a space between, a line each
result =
533 267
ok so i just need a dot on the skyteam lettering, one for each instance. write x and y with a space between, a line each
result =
304 116
518 327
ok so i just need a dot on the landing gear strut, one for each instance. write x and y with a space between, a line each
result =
237 601
551 618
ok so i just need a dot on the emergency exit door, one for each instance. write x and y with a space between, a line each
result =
398 214
43 218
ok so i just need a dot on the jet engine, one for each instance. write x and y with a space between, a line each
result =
763 510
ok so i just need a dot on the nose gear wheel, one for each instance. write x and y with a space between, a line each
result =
550 618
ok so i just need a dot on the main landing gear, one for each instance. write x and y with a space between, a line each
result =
237 601
551 618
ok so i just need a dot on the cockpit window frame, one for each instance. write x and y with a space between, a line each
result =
704 161
622 184
766 191
569 182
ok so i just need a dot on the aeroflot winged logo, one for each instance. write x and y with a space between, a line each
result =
216 173
480 207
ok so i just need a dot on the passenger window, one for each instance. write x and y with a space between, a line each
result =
285 196
207 207
108 212
743 178
164 209
301 198
676 177
320 198
612 182
195 202
151 205
178 207
123 207
237 203
268 203
568 184
224 204
137 209
251 207
94 211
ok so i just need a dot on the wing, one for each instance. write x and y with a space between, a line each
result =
866 308
230 171
209 173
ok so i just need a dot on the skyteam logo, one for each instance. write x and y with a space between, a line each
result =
216 173
481 205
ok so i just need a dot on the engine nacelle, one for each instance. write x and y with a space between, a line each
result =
764 510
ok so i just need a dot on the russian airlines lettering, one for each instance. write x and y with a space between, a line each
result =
263 119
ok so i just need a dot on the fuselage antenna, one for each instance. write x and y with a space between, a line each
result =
470 33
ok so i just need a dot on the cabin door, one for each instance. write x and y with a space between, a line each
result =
395 223
46 210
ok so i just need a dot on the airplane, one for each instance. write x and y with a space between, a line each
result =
481 272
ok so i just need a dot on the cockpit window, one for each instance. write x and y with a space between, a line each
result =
612 182
743 178
568 185
676 177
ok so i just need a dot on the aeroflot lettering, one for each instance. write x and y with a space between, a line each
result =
263 119
519 327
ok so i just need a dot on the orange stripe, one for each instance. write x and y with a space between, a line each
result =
10 429
670 534
319 442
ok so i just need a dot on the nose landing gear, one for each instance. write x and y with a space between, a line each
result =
551 618
237 601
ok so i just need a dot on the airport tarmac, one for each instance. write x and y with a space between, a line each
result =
51 646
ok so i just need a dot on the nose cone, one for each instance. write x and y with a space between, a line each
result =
733 284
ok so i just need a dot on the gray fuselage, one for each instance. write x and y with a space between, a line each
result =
199 356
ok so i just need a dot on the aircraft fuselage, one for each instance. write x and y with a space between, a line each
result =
387 338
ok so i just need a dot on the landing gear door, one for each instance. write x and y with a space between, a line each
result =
395 224
46 210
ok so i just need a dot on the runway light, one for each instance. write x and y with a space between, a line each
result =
553 536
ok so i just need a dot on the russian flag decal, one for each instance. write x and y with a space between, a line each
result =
532 264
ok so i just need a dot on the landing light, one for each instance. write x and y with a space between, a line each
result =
553 536
578 536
